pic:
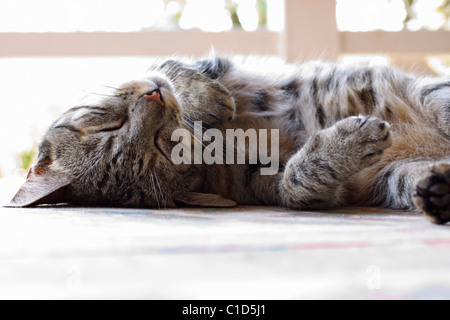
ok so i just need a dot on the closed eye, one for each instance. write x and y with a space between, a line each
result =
104 127
108 127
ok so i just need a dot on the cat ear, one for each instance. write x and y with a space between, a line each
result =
43 186
206 200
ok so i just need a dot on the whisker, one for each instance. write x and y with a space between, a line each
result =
154 190
110 87
98 94
188 124
161 192
190 128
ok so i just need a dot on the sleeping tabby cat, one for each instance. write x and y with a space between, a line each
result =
359 135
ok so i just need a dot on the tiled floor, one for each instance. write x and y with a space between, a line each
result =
242 253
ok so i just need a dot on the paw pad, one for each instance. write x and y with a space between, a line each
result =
433 193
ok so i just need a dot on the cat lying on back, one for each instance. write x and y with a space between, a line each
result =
371 136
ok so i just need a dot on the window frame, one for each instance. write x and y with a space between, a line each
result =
310 33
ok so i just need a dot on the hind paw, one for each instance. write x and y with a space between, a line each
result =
433 193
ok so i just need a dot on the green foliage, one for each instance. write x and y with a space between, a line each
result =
445 8
409 13
262 10
409 5
27 158
231 6
261 6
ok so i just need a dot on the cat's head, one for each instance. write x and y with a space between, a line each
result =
115 153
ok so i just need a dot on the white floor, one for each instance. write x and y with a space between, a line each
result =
244 253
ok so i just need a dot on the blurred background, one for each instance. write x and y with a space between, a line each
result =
55 54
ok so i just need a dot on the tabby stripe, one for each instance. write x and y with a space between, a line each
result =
90 114
313 175
295 119
402 184
116 157
109 144
88 108
383 186
326 167
103 181
223 105
118 177
425 92
299 183
68 127
320 114
142 194
213 69
291 89
330 79
140 166
260 100
368 99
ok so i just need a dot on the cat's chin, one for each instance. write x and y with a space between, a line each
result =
163 142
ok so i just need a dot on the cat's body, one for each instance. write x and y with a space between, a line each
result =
348 136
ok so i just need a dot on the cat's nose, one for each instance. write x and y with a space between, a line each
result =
155 96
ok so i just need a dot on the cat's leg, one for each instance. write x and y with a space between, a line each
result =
432 194
388 184
432 191
315 176
434 101
405 184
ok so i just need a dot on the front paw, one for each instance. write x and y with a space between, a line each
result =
365 138
432 194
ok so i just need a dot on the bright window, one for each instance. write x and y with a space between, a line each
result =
392 15
137 15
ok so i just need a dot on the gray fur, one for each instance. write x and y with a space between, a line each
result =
348 135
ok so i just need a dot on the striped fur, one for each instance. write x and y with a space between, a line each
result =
348 135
